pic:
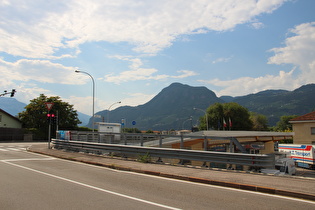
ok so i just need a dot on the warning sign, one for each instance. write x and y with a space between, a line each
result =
49 105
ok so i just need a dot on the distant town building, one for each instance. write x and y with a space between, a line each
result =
304 129
9 121
11 128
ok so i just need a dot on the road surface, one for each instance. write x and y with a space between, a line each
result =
32 181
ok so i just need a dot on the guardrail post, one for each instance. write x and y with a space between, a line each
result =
181 141
111 138
125 138
160 146
160 140
205 148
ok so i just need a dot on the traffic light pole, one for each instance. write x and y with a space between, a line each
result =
6 92
49 129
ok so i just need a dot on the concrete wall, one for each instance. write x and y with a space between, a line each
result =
302 132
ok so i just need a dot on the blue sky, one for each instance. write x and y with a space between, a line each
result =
135 48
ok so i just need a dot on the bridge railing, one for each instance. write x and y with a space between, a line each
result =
153 145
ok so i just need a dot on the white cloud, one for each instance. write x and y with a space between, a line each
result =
40 71
222 60
246 85
299 50
40 29
84 104
257 25
135 99
137 73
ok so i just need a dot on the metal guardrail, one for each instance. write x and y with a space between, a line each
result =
254 160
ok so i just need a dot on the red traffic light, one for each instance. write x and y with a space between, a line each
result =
48 115
52 115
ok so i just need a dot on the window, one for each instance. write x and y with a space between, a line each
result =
0 118
312 130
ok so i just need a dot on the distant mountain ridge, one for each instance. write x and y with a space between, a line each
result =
173 106
11 105
276 103
167 110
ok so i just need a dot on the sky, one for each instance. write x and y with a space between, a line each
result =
132 49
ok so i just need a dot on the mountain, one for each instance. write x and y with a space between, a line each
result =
173 106
84 118
276 103
13 107
170 109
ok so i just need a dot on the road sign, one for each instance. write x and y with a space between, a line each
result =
133 122
49 105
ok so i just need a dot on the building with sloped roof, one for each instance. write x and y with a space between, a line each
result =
304 129
9 121
11 128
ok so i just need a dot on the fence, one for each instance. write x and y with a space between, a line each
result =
158 146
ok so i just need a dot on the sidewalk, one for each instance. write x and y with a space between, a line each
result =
292 186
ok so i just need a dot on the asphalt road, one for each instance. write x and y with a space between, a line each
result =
32 181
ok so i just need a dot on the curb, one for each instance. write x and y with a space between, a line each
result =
254 188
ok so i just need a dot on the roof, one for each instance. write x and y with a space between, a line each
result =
306 117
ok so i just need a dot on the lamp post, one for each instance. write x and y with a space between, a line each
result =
78 71
206 116
111 107
186 121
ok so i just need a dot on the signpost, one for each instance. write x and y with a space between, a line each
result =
49 105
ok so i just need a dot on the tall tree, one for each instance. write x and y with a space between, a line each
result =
35 115
260 122
228 116
283 124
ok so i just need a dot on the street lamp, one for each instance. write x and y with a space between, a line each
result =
78 71
111 107
186 121
206 116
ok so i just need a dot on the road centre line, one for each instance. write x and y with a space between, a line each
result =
90 186
27 159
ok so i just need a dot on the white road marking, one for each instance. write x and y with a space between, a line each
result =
90 186
14 149
195 183
27 159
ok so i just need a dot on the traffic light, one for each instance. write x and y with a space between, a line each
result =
53 119
12 92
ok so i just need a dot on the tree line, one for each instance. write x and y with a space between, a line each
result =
219 116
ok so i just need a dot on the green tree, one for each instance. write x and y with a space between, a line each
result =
35 116
131 130
260 122
283 124
234 115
